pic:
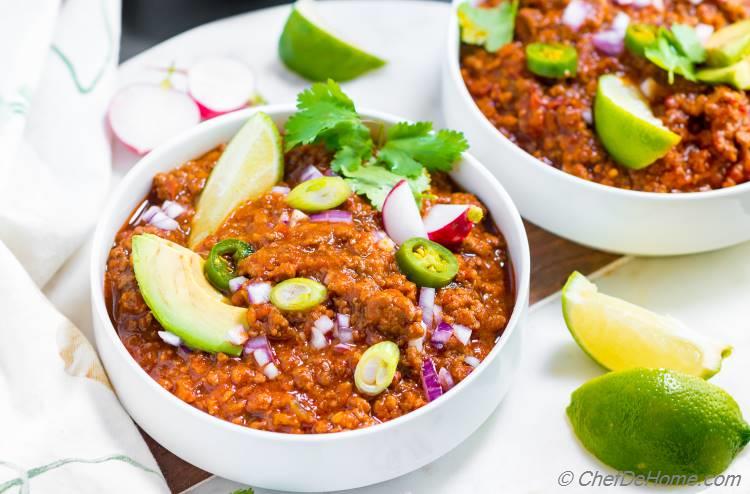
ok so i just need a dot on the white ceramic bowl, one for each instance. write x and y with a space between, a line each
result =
322 462
592 214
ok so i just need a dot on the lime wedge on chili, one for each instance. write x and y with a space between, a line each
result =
620 335
627 128
310 48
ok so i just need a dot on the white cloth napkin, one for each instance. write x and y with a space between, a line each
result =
62 429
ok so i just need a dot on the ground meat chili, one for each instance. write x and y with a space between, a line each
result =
551 119
315 391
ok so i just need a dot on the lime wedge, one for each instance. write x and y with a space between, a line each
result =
620 335
627 128
310 48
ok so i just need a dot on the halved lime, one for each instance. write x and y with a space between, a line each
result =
309 47
620 335
627 128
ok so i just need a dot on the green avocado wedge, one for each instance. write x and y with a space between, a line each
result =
172 283
729 44
251 164
310 49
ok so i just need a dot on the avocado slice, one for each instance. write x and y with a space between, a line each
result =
729 44
737 75
172 283
251 164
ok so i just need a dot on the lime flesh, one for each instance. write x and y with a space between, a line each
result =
658 423
620 335
311 50
627 128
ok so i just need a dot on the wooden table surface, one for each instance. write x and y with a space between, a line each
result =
552 260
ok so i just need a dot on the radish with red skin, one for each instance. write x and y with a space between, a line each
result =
142 116
220 85
401 218
450 224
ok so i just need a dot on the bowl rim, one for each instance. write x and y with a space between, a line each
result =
114 207
454 71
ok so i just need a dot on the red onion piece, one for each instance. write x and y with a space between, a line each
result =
237 335
620 23
261 350
378 235
471 360
280 189
318 339
417 343
441 335
261 357
236 283
462 333
309 173
163 222
172 209
332 216
271 371
575 14
427 304
430 382
609 42
437 316
170 338
149 213
296 217
445 379
258 293
343 347
642 3
343 330
587 116
324 324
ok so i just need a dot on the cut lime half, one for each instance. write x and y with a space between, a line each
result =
620 335
309 47
627 128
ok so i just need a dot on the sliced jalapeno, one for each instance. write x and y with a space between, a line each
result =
298 294
426 263
218 269
376 368
554 60
638 37
319 194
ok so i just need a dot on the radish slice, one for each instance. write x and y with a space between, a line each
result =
401 218
220 85
450 224
142 116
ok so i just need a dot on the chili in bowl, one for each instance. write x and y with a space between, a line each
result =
310 306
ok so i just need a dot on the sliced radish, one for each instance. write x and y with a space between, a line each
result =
220 85
450 224
401 218
142 116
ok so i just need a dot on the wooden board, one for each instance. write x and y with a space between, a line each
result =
552 260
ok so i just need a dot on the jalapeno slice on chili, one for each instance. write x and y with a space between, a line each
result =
376 368
638 37
319 194
218 269
426 263
554 60
298 294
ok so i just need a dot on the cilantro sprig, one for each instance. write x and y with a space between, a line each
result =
491 27
411 150
677 50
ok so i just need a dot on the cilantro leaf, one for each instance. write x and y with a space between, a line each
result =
667 56
410 146
248 490
375 182
325 114
688 43
491 27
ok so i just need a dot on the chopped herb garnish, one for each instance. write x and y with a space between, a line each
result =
491 27
666 54
688 43
249 490
326 115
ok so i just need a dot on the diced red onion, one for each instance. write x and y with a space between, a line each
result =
261 357
172 209
704 31
471 360
309 173
237 335
149 213
271 371
332 216
417 343
236 283
259 292
587 116
284 218
642 3
318 339
343 320
445 379
169 338
427 304
609 42
324 324
280 189
343 347
575 14
378 235
620 23
441 335
437 316
430 382
297 216
163 222
343 330
462 333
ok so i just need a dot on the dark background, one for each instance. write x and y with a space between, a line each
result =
148 22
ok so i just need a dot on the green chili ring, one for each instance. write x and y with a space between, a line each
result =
638 37
426 263
553 60
218 269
